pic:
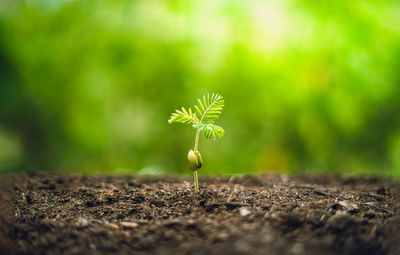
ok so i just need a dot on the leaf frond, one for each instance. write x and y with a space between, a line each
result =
209 107
184 116
210 131
206 111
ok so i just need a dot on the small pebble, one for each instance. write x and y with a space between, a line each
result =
82 222
113 226
349 206
126 224
244 211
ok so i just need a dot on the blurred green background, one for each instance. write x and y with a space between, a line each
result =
88 86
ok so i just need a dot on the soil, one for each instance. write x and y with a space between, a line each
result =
271 214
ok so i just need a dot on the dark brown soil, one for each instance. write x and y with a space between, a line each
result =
53 214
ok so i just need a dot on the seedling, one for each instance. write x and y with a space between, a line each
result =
202 119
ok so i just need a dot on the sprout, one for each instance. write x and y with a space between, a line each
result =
202 119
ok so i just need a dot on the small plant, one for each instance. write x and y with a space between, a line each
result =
202 119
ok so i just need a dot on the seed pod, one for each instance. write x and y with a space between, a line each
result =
195 161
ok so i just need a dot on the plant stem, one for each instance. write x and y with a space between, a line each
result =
196 181
196 145
196 141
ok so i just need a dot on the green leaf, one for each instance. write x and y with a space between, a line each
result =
209 107
184 116
210 131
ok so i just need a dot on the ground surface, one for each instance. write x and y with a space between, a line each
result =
50 214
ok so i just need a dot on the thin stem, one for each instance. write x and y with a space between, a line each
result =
196 181
196 141
196 146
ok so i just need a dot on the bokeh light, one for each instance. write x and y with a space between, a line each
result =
88 86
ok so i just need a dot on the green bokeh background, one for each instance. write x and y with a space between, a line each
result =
88 86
